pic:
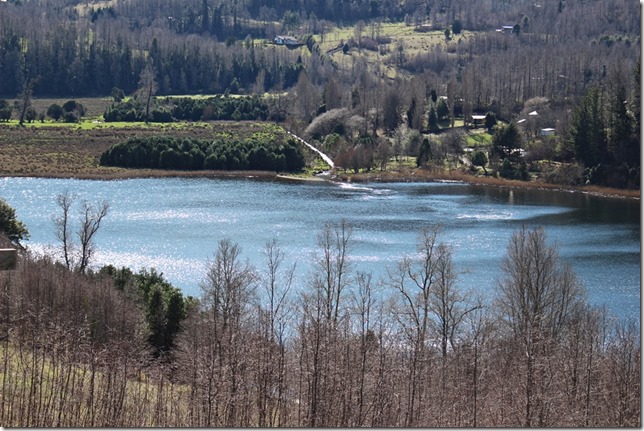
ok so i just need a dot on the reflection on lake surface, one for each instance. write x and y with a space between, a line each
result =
174 225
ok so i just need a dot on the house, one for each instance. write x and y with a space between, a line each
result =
477 120
549 131
286 40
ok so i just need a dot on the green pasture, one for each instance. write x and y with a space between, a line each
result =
412 41
478 139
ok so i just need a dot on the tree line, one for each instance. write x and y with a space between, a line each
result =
261 347
193 154
169 109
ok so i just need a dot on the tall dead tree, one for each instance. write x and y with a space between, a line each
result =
77 256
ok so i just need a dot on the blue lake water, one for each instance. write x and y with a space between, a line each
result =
175 224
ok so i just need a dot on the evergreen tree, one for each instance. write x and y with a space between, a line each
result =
588 131
479 158
155 318
432 120
25 100
205 22
10 226
620 125
506 140
490 121
424 153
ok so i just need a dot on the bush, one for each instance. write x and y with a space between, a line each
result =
5 114
161 116
74 106
71 117
55 111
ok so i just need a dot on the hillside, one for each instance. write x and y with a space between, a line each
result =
364 82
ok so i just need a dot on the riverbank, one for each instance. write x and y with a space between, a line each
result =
417 175
50 152
422 175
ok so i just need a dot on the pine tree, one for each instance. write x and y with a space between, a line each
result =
588 130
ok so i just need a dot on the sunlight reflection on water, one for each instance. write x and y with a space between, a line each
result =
174 225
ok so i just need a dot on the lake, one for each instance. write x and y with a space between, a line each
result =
175 224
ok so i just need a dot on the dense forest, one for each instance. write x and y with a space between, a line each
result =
203 46
190 109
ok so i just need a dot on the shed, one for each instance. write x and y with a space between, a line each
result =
477 120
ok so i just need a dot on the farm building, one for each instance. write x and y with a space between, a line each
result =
286 40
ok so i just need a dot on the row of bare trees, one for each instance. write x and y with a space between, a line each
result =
262 348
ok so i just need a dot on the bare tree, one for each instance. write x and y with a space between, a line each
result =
537 296
147 87
306 98
449 305
78 256
364 304
414 281
333 265
320 330
272 324
227 294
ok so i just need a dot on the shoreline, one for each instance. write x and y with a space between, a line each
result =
417 176
425 176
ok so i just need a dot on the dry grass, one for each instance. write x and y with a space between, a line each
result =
414 43
94 106
64 152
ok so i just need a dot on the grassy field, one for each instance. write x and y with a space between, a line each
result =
414 43
94 106
74 150
478 138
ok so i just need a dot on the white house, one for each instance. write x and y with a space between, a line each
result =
549 131
286 40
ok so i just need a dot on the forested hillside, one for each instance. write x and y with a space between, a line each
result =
366 81
202 46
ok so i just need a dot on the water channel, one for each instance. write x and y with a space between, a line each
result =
174 225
